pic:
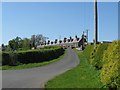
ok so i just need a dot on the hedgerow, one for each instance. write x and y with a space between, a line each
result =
31 56
96 58
110 73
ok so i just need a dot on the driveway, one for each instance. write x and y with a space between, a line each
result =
36 77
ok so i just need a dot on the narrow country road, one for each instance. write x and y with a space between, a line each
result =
36 77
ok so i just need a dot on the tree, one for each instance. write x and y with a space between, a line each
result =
12 44
38 40
26 43
15 43
18 42
7 48
33 40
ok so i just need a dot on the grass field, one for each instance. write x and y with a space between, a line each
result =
31 65
82 76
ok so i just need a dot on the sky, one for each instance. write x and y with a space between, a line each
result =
119 21
58 19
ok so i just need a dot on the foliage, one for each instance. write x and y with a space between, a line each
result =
96 58
110 73
25 43
15 43
5 47
31 56
30 65
18 44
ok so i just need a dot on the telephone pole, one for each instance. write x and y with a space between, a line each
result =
96 23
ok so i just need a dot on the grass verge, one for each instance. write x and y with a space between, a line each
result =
82 76
31 65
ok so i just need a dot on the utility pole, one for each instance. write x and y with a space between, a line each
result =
96 24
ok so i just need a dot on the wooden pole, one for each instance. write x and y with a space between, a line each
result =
96 23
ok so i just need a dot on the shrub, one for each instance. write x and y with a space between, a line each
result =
5 58
96 58
110 73
31 56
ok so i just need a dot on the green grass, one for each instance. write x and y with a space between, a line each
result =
31 65
82 76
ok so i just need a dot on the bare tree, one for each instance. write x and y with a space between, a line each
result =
38 40
33 37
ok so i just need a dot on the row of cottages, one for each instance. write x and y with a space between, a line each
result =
75 43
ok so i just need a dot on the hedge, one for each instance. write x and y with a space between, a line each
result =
106 57
31 56
110 73
96 58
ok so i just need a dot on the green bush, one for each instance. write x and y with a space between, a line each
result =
5 58
31 56
110 73
0 57
96 58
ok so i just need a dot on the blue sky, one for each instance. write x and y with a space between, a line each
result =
119 21
51 19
